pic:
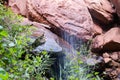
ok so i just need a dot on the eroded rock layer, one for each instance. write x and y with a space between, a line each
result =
71 16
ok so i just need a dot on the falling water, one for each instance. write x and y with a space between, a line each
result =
70 44
73 44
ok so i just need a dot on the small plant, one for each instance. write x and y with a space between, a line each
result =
3 74
76 69
13 44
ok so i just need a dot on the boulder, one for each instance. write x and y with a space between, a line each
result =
42 39
19 6
110 41
115 56
106 60
49 46
37 41
71 16
101 10
116 3
106 55
112 65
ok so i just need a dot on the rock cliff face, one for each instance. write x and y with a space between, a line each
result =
101 10
85 19
116 3
108 42
19 6
71 16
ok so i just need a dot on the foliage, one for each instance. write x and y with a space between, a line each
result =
13 44
3 74
1 1
77 69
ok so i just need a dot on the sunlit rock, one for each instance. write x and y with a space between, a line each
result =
102 10
71 16
110 41
116 3
19 6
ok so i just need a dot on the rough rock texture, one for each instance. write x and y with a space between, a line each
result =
71 16
112 63
60 13
97 30
19 6
102 10
42 39
116 3
47 46
110 41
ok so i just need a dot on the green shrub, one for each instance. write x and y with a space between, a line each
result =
13 44
3 74
76 69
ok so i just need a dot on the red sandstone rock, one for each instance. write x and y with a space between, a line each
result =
113 74
113 70
19 6
69 15
110 41
119 56
114 64
114 56
118 70
106 55
106 60
97 30
101 10
72 16
116 3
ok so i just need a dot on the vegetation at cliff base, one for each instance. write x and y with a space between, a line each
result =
13 44
17 62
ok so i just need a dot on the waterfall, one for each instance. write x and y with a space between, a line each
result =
71 45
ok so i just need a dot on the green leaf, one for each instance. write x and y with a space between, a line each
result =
3 74
1 27
4 44
96 73
11 44
4 33
2 71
